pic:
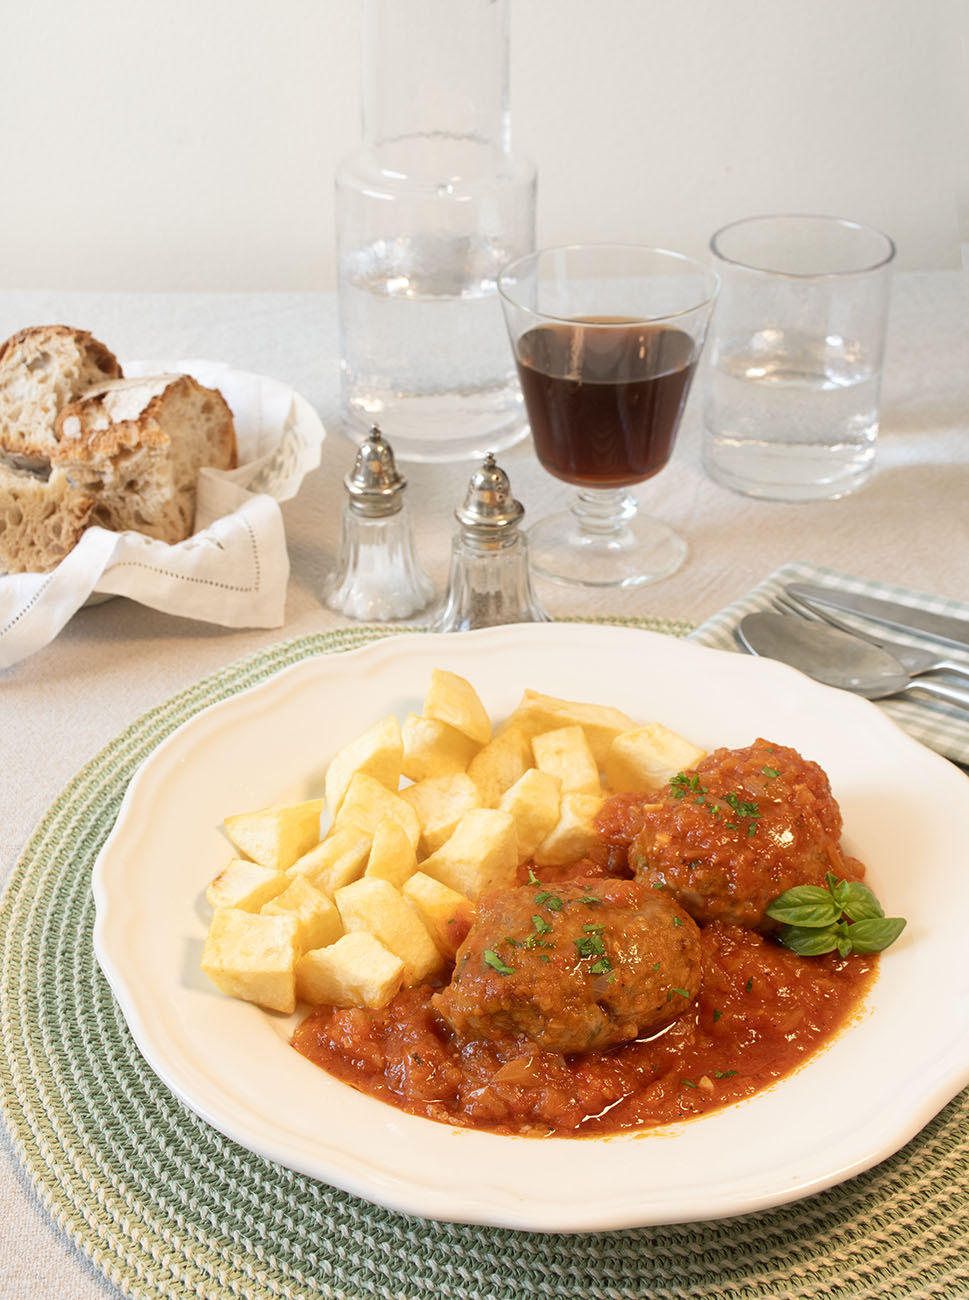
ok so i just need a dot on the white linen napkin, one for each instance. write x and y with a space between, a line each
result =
232 571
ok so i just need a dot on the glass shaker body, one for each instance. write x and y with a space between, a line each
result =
490 582
489 586
379 577
428 209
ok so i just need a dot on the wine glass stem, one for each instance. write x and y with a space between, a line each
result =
603 510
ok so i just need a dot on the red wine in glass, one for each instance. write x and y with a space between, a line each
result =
604 396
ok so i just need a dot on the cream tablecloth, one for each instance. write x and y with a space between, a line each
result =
116 660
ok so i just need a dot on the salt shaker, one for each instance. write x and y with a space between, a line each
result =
378 575
490 581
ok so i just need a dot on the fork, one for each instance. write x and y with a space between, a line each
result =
917 661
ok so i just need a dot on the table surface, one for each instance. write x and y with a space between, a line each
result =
115 661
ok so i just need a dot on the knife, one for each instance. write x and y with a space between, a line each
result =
946 628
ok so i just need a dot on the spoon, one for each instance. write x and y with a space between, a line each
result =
836 658
916 660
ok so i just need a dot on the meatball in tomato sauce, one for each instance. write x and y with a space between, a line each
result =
574 967
726 838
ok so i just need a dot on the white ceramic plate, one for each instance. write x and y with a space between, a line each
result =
906 814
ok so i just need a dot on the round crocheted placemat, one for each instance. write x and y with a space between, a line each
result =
166 1206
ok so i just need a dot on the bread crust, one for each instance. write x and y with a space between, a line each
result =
42 368
82 445
138 444
90 430
99 353
41 520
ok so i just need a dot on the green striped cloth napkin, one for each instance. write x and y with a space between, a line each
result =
939 726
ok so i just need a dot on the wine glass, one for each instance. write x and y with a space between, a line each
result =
606 339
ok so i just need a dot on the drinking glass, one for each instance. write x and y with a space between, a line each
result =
606 339
796 351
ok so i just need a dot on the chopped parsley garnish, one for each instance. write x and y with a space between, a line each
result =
724 1074
769 771
591 945
551 901
492 959
536 938
689 784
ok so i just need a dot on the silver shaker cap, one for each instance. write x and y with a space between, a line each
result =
374 484
489 506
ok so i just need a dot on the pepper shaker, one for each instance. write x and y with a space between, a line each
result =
489 581
378 574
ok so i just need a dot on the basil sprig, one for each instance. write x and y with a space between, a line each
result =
842 915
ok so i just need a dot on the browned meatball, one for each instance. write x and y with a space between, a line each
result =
574 967
726 838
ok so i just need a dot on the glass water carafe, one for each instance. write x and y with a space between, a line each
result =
428 209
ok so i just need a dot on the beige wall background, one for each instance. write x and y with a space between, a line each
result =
191 144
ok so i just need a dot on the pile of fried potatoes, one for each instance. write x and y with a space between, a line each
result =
422 817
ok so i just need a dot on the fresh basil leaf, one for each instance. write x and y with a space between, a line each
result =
808 941
859 903
805 905
840 890
875 934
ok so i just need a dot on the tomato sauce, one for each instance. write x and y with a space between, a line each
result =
760 1013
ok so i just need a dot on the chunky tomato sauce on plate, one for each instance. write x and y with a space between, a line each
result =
720 843
760 1013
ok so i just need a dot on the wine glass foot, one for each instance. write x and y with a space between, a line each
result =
638 550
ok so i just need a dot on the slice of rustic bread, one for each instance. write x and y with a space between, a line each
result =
137 445
41 519
42 368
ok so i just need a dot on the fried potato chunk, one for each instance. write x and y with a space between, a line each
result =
565 754
536 713
376 907
356 971
336 860
253 957
367 803
574 835
454 700
433 748
378 752
446 914
440 802
317 918
245 885
533 801
481 854
497 766
392 855
278 835
645 758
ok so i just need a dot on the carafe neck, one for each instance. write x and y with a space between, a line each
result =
435 68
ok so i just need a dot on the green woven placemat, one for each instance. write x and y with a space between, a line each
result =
166 1206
